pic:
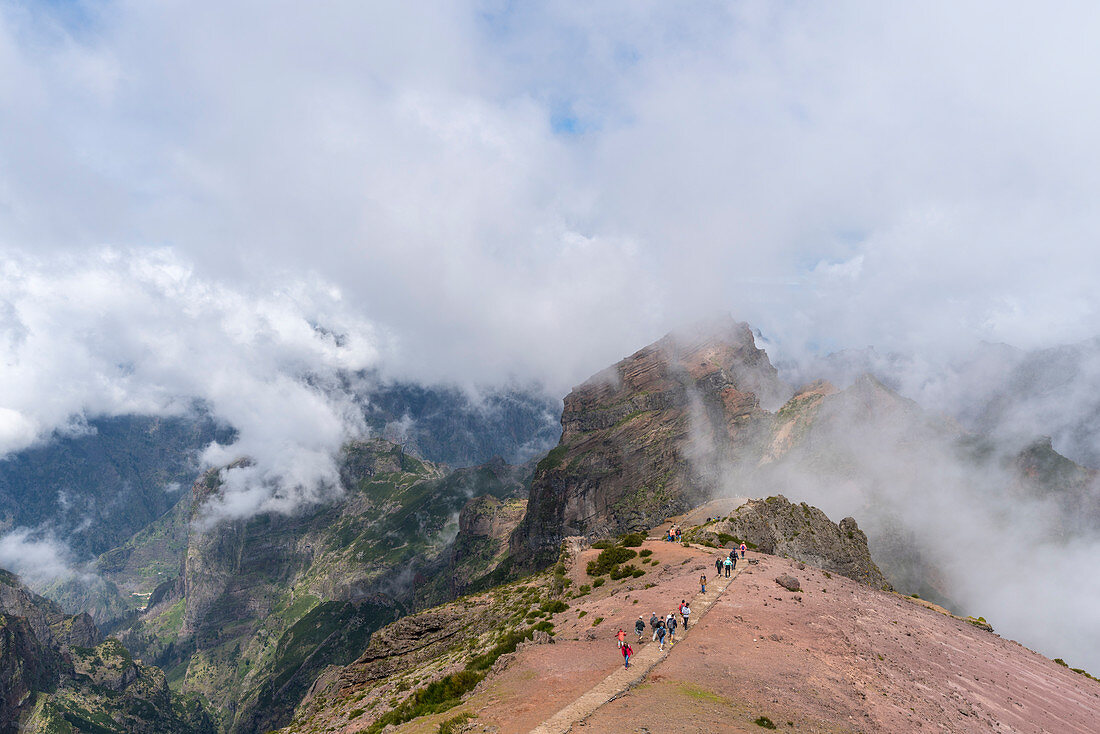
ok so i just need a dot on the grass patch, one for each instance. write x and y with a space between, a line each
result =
702 694
764 721
596 621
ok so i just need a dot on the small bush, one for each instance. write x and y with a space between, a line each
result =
596 621
454 724
608 559
582 613
356 713
765 722
633 540
553 607
583 589
597 583
1061 662
645 553
637 572
622 572
603 544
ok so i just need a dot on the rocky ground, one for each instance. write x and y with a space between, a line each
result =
835 656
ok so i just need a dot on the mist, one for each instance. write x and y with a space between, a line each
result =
954 516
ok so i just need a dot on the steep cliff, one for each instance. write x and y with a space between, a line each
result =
654 435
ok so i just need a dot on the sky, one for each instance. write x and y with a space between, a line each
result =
237 202
217 201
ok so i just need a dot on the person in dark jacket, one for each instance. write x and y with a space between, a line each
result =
639 627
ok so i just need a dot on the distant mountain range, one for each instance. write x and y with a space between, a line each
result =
454 495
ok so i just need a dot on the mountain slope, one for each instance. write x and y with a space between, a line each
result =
264 604
834 656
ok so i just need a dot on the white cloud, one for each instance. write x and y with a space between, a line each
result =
37 558
117 332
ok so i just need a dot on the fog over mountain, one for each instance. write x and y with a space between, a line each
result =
242 206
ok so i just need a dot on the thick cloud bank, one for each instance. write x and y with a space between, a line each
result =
534 189
117 332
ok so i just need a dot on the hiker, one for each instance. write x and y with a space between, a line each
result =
742 550
679 535
733 557
671 623
654 623
621 637
703 583
661 632
627 652
718 565
728 565
681 607
685 613
639 627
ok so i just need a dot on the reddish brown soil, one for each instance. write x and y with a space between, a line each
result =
836 657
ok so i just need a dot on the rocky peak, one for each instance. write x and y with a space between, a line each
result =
653 435
778 527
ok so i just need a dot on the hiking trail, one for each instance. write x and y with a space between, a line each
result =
641 663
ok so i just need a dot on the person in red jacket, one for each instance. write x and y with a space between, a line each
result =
627 652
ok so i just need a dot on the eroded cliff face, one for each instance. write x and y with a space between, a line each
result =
652 436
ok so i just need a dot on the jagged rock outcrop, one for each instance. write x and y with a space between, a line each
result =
652 436
55 675
799 531
26 667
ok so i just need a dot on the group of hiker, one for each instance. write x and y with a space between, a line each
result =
664 628
673 535
724 563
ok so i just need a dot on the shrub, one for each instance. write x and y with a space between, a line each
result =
638 572
645 553
622 572
583 589
724 538
765 722
602 544
596 621
553 607
608 559
633 540
597 583
454 724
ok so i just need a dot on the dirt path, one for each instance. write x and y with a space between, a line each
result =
641 663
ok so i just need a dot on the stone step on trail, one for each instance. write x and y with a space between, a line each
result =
641 663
